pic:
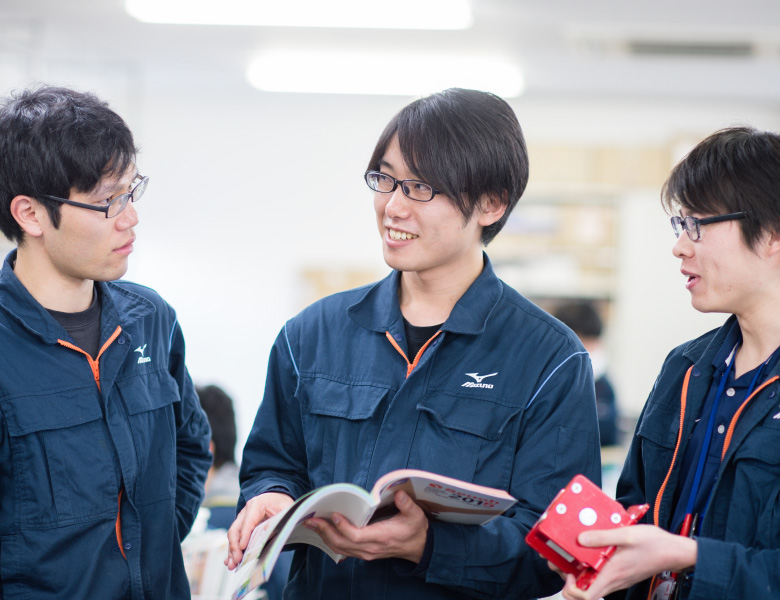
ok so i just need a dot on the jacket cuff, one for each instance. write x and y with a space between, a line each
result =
713 570
250 491
407 568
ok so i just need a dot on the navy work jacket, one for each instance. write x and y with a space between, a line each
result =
502 396
739 541
84 440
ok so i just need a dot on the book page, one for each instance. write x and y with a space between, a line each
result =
269 537
443 498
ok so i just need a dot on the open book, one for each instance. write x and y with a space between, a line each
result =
442 498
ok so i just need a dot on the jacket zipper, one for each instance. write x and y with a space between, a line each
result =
410 365
94 364
726 443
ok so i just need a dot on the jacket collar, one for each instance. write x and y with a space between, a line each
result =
379 308
702 350
708 352
20 304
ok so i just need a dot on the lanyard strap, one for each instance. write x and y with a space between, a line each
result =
705 447
711 425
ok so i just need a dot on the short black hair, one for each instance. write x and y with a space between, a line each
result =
466 143
733 170
218 407
53 140
581 316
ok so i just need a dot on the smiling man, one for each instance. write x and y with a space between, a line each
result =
440 366
103 444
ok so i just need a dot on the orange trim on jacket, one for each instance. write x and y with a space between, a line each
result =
726 444
683 401
94 364
662 489
411 365
118 524
733 424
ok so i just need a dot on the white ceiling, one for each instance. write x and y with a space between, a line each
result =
672 49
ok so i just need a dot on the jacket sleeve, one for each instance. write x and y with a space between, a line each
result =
631 485
5 460
729 570
558 438
274 457
193 434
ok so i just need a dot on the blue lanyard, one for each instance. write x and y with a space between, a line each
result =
711 425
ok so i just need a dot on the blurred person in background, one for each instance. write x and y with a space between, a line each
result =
222 487
103 444
583 318
440 366
706 453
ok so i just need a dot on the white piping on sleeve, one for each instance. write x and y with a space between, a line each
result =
289 349
170 337
550 376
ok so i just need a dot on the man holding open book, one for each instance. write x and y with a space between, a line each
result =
439 367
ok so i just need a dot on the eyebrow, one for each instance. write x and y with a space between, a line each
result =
384 163
109 189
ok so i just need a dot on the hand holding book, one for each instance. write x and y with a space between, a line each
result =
400 536
439 497
257 510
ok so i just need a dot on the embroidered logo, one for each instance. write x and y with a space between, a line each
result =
142 359
478 378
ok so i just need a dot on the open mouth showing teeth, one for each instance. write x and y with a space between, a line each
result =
401 235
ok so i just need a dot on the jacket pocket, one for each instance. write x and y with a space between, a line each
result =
754 498
762 444
466 438
660 426
62 458
339 418
151 401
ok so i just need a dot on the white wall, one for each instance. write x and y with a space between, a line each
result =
247 191
248 188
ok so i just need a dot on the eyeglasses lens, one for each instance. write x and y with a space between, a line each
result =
677 226
691 226
687 224
120 202
418 191
382 183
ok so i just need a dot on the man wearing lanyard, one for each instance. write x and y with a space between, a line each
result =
706 454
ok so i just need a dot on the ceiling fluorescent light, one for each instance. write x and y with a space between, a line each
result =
400 14
391 75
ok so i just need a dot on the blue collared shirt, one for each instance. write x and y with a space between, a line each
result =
735 392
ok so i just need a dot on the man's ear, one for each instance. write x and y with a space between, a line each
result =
773 243
26 210
489 210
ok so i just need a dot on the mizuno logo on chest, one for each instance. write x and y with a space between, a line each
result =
142 359
478 379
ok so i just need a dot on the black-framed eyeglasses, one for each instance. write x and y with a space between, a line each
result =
692 225
385 184
113 206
